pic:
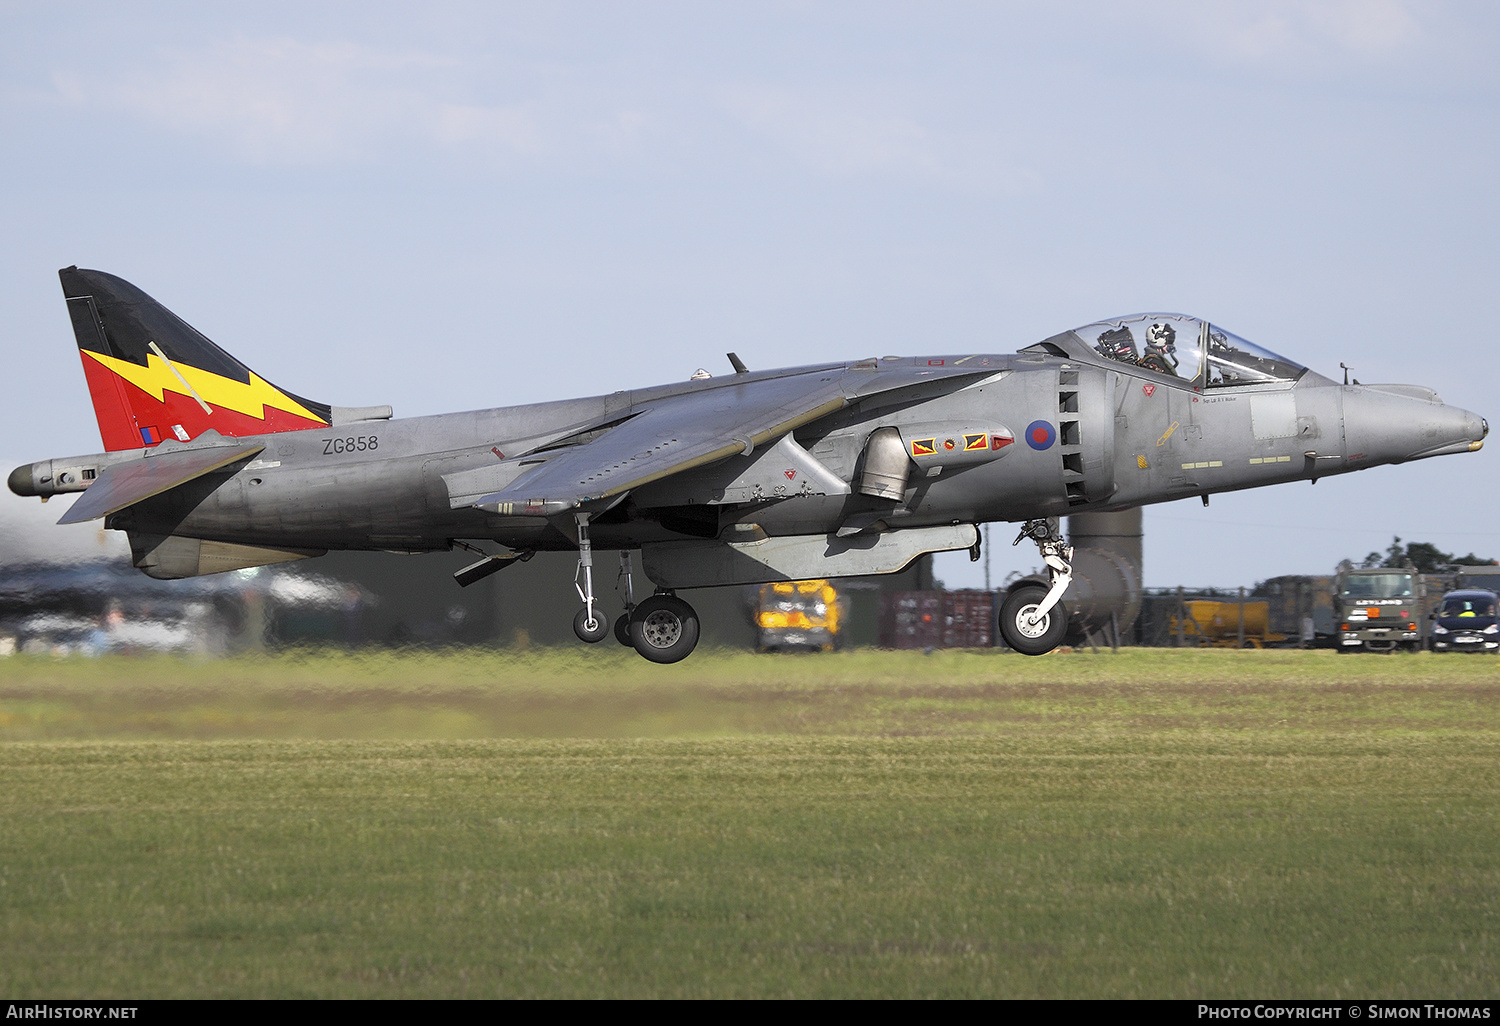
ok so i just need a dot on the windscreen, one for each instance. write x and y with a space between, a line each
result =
1468 606
1235 361
1377 586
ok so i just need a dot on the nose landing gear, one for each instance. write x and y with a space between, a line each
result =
1031 619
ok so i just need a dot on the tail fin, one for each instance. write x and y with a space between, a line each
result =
153 377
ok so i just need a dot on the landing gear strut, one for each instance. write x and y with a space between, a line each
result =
663 628
627 576
590 625
1031 621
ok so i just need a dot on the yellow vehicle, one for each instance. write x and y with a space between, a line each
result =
798 614
1219 624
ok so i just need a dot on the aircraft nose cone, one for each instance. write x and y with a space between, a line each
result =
20 481
1475 429
1405 424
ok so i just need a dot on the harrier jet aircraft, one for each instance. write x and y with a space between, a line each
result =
832 470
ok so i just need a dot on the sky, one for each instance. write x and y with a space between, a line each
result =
458 206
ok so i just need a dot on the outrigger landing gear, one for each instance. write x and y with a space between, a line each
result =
1031 621
590 625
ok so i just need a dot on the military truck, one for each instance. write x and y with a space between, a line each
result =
1380 610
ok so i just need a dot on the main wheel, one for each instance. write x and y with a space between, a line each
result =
664 629
622 629
1028 638
590 630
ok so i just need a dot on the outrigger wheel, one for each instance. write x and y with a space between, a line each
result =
664 629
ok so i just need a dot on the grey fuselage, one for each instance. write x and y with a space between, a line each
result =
1120 436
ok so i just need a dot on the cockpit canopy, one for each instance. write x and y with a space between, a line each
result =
1193 351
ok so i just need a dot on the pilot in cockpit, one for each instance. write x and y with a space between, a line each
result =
1161 349
1117 344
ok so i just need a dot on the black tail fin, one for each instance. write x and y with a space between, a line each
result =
152 376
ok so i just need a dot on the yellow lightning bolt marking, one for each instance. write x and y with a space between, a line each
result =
250 399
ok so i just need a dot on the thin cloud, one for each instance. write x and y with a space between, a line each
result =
1290 33
284 101
846 139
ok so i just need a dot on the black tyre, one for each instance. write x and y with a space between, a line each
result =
590 630
622 629
664 629
1027 638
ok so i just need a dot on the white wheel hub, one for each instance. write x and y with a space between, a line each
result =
1028 624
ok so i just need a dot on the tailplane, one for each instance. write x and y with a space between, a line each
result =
152 376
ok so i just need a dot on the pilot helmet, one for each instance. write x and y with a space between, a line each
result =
1162 337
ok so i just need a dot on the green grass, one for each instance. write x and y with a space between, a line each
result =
609 692
1157 824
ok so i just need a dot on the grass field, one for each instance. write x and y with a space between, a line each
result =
1158 823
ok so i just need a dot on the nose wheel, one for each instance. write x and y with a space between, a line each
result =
1032 619
1026 630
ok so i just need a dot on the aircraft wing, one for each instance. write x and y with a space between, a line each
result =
676 433
130 483
667 436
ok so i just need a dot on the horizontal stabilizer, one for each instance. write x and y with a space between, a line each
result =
126 484
341 415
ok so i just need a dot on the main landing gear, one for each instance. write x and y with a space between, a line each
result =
663 628
1031 619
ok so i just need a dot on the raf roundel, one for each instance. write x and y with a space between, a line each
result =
1040 435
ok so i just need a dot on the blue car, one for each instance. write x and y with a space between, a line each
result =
1465 622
